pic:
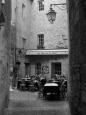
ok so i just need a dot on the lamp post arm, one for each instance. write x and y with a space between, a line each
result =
52 14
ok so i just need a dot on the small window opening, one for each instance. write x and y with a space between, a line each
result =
2 19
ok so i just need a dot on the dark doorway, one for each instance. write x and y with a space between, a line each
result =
56 68
27 69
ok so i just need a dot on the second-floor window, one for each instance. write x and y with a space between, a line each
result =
41 5
40 41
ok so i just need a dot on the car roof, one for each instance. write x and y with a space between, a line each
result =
51 84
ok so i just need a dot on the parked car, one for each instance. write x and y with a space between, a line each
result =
51 90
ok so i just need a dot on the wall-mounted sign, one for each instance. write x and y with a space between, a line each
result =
45 69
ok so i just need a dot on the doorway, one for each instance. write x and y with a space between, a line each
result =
56 68
27 69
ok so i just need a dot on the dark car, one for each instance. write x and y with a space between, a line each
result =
51 90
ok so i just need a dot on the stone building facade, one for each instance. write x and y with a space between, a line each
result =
36 34
5 18
55 38
20 23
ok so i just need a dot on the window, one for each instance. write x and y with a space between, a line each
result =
23 9
58 68
38 68
2 19
40 41
41 5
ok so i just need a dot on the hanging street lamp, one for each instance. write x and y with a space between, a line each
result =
51 15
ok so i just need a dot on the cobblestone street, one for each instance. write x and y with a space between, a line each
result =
28 103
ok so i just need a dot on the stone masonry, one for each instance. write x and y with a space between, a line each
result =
4 54
77 57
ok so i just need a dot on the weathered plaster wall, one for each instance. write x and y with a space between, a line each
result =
77 57
21 20
31 22
40 25
4 56
22 17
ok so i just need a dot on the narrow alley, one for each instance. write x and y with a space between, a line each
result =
28 103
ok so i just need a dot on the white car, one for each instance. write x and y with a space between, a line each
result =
51 89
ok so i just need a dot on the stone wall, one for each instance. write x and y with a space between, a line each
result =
21 21
77 57
55 34
21 18
30 22
4 55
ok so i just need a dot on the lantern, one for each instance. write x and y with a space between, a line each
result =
51 15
